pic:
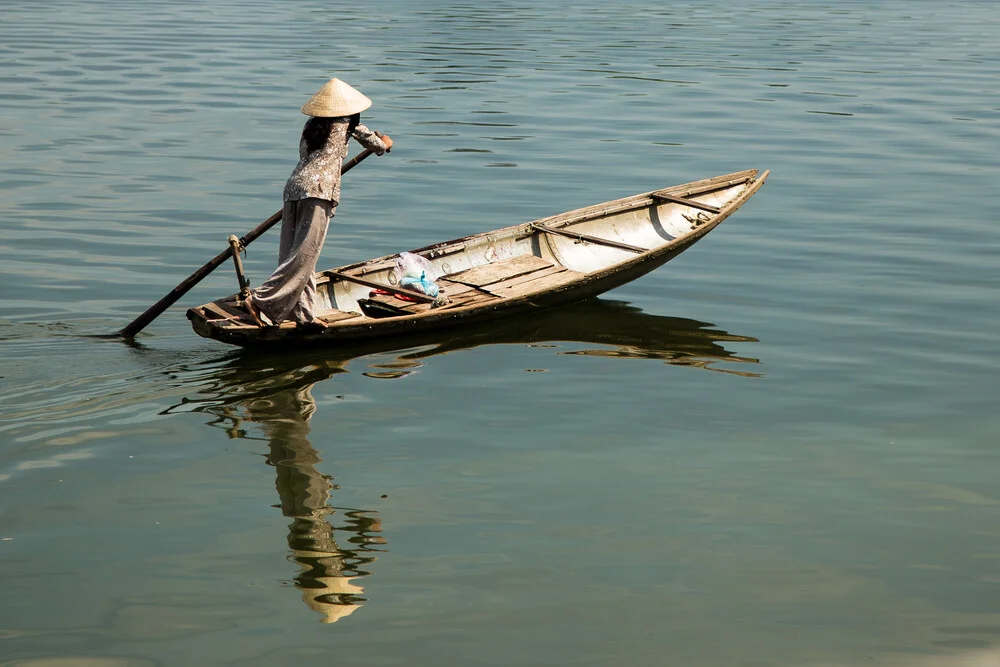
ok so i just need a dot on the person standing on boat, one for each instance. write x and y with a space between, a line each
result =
310 197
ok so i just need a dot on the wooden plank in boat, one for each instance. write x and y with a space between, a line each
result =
451 290
235 313
211 314
234 325
333 315
409 307
494 272
529 277
221 311
480 295
537 281
221 319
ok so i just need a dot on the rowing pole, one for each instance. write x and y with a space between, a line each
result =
154 311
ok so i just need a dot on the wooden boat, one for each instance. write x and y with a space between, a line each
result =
528 266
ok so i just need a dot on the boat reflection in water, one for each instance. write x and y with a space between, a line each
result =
334 545
623 330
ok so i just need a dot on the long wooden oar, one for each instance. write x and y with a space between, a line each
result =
154 311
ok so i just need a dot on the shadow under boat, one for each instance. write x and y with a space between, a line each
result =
624 331
618 328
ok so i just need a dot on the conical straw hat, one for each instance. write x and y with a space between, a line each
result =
336 98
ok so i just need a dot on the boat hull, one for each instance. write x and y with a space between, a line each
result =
542 264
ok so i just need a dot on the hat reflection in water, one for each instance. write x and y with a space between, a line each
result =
329 574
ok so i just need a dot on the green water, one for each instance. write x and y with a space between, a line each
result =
779 450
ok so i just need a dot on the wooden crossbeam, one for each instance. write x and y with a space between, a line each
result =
686 202
588 238
419 296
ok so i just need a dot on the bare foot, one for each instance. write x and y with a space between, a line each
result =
260 318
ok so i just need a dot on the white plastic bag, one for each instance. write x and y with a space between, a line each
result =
409 265
416 272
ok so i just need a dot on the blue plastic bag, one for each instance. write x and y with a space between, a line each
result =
420 284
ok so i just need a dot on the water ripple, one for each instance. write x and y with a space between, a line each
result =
856 297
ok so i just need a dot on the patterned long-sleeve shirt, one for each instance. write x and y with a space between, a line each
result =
318 173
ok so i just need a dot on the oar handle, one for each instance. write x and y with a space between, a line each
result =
154 311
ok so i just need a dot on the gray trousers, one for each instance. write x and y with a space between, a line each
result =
290 292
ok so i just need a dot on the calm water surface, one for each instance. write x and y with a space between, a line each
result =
779 450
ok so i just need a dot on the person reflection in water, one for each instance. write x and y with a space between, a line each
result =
329 577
